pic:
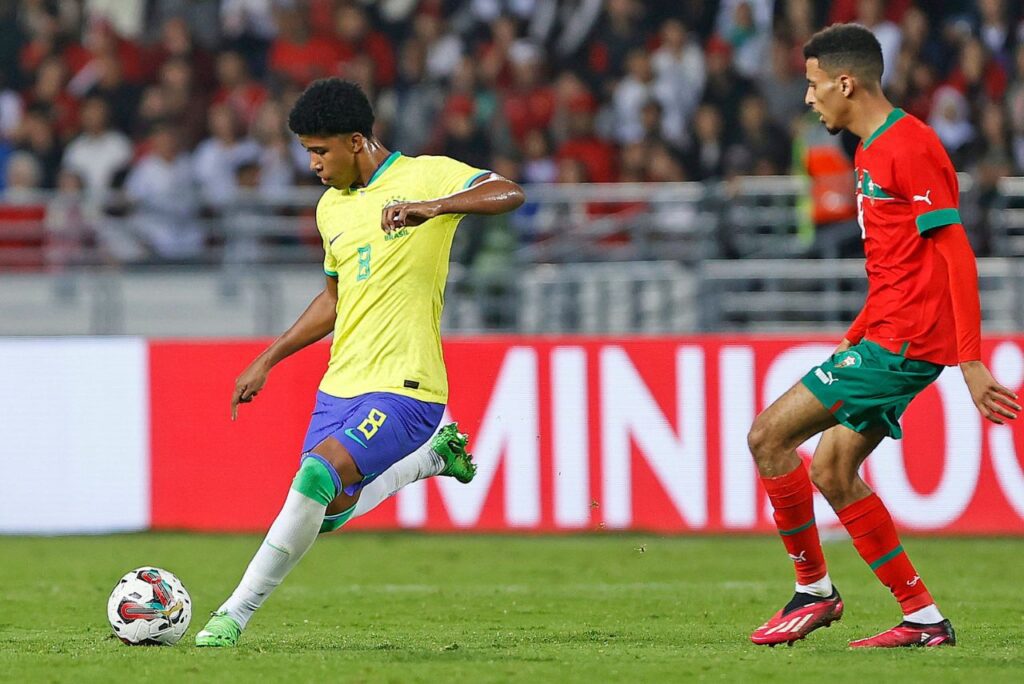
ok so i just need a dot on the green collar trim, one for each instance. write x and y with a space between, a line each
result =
894 116
383 167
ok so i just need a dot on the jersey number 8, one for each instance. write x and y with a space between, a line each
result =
372 423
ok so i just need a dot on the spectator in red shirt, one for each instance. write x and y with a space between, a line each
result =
176 40
42 42
100 40
297 56
596 157
977 75
529 104
844 11
356 38
495 65
48 91
237 88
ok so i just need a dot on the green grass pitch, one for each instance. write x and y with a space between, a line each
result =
446 608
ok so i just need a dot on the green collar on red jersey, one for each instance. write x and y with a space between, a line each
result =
894 116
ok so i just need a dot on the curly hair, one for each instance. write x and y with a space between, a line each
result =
331 106
851 47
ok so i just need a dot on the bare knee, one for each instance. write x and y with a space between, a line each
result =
763 440
757 438
836 485
824 478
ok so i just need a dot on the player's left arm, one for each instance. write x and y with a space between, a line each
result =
488 194
994 401
926 179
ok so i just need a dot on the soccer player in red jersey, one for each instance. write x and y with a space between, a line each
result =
922 313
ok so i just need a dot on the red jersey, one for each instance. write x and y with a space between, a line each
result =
907 187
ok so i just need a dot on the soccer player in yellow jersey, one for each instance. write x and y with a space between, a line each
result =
387 223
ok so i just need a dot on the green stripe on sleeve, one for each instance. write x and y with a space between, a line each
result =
474 179
937 219
887 557
333 274
797 530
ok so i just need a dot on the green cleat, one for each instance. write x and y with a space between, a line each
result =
220 631
450 445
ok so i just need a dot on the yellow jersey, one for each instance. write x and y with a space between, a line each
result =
387 337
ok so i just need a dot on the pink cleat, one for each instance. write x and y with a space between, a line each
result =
801 616
911 634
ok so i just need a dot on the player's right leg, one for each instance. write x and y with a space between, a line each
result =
774 437
318 482
835 471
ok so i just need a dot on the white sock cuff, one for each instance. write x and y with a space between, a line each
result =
822 587
928 615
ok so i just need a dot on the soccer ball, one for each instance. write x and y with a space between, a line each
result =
150 607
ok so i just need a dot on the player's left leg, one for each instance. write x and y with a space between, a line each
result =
835 472
444 454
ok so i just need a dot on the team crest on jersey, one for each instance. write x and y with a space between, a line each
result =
870 189
847 359
401 233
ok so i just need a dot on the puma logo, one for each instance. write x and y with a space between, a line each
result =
924 198
799 558
826 378
913 581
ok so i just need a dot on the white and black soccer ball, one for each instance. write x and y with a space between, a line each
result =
149 607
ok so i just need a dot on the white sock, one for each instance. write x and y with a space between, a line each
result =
928 615
418 465
288 539
822 587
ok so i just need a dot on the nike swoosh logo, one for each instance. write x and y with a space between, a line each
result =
331 241
352 433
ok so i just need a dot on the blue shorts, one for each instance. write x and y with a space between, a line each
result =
378 429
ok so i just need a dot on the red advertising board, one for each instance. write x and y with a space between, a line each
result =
580 434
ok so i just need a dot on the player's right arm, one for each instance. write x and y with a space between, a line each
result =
315 323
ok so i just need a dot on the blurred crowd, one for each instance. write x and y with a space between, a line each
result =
179 105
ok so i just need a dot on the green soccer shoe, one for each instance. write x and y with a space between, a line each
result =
450 445
221 631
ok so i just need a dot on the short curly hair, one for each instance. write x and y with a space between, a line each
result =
331 106
847 47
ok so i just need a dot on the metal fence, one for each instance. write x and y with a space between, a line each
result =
628 258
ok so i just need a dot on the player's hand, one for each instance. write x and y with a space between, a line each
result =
251 381
401 214
994 401
843 346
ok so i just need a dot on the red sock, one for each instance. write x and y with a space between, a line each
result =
793 499
874 535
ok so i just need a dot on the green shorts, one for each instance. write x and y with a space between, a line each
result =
868 385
